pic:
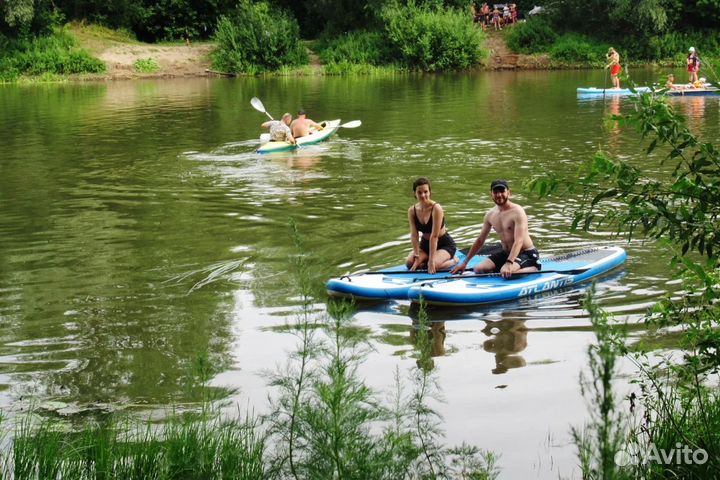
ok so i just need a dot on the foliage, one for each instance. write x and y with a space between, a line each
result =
610 18
603 436
675 415
675 45
152 20
533 36
574 48
256 38
146 65
680 211
433 39
56 54
26 18
356 48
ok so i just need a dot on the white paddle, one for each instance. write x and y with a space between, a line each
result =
258 105
352 124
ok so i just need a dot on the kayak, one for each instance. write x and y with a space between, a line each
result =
611 91
387 284
557 272
330 126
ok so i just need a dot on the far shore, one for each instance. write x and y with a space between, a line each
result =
192 59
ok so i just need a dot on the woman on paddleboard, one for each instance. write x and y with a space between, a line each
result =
614 58
693 65
432 245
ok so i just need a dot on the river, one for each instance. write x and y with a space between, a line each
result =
139 229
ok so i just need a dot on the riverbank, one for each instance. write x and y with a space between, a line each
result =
121 54
125 58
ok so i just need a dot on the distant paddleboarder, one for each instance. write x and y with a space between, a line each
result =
693 65
614 58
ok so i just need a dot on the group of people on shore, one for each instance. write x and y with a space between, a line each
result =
693 67
433 247
499 16
287 130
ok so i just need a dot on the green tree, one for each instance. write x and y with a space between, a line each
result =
20 18
611 18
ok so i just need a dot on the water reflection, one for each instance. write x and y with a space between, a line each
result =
508 338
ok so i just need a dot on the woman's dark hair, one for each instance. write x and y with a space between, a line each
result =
421 181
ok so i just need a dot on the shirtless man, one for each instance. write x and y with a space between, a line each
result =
301 125
511 224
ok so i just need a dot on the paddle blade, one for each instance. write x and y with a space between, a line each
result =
352 124
257 104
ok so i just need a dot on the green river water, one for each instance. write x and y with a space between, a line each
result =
139 229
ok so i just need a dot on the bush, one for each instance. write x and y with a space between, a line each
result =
257 38
573 48
146 65
369 48
432 39
55 54
675 45
535 35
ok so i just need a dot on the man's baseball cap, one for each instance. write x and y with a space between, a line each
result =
499 183
301 112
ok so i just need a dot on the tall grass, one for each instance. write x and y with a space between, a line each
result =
54 54
671 427
370 48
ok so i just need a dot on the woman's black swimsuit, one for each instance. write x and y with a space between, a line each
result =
445 242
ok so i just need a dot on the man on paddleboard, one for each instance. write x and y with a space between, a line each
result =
301 125
509 220
280 129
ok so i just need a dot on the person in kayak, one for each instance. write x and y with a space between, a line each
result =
301 125
432 245
509 220
614 58
280 129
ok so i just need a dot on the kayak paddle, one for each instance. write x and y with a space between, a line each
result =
487 249
576 271
258 105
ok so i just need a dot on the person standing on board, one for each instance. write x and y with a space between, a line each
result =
301 125
509 220
614 58
693 65
432 245
280 129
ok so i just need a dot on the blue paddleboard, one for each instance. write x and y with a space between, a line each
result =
385 285
557 272
610 91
